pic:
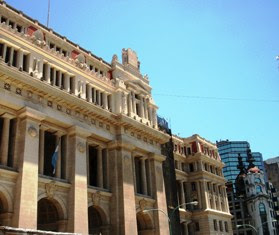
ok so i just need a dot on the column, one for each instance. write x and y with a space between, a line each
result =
83 93
20 59
182 195
26 188
78 178
134 102
11 56
105 100
204 195
198 146
199 195
130 105
123 208
4 148
226 203
143 175
89 93
100 167
48 73
4 51
67 82
40 68
160 220
155 118
94 96
58 163
145 109
99 98
59 79
106 170
150 116
141 107
54 77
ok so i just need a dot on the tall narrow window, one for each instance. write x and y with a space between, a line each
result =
8 54
14 58
92 155
25 63
215 225
50 145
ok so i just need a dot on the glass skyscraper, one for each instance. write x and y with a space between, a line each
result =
229 151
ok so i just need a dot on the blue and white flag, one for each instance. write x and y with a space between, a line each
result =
55 157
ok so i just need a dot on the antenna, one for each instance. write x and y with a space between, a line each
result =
48 10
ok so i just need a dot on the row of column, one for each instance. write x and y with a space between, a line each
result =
216 197
141 108
98 97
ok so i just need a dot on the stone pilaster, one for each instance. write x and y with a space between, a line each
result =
25 207
161 221
123 209
78 217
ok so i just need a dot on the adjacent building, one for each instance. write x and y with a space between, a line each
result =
80 147
229 151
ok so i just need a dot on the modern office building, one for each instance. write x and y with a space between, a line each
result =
229 151
80 148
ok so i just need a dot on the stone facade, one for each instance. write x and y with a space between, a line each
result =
199 177
80 148
100 120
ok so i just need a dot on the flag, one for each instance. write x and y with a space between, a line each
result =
55 157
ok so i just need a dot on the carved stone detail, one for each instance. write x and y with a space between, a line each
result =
142 204
50 189
81 147
32 131
96 197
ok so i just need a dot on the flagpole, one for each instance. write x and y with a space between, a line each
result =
48 10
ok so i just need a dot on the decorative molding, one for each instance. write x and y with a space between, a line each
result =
50 189
81 147
142 204
96 197
32 131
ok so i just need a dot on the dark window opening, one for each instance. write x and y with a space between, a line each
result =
64 53
94 221
96 70
193 185
51 76
97 97
221 226
138 176
215 225
101 99
1 49
50 145
102 73
47 216
137 109
197 226
15 59
25 63
72 82
58 49
3 19
57 74
12 24
11 147
63 156
91 67
19 28
191 166
189 151
63 81
51 45
8 54
92 154
44 71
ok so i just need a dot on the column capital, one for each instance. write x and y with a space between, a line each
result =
7 115
30 113
79 131
157 157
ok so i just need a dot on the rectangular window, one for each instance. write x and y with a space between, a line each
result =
19 28
14 59
50 145
44 71
92 155
191 166
51 45
25 63
64 53
8 54
1 49
12 24
221 225
215 225
3 19
197 226
72 87
226 226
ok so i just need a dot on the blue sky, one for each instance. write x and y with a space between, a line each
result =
211 63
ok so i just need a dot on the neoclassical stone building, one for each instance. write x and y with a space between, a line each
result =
101 119
199 177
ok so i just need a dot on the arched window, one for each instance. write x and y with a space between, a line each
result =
259 189
47 215
262 209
